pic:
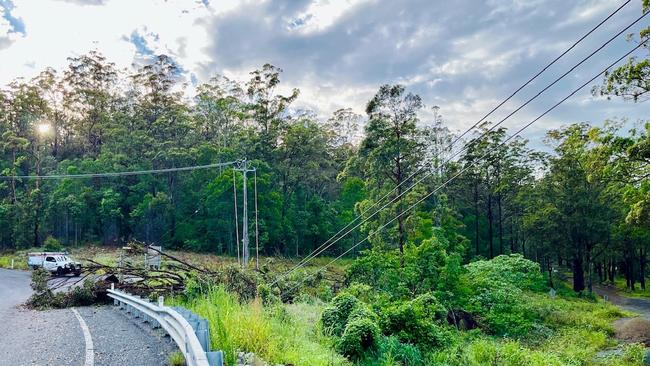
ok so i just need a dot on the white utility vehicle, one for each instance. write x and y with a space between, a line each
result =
57 263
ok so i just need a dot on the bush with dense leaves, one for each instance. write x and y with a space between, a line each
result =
427 267
498 300
335 316
359 336
512 269
503 310
52 245
420 321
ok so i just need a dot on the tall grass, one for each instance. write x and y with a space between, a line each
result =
286 334
20 262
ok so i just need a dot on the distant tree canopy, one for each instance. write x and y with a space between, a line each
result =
586 205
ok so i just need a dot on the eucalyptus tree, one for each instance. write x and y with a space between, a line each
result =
90 87
267 109
390 154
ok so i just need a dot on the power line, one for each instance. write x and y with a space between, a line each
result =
475 162
476 123
329 243
116 174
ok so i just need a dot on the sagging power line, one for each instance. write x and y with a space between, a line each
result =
327 244
118 174
474 162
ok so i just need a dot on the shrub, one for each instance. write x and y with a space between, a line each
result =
267 295
360 335
243 283
362 311
360 291
419 321
503 310
52 245
512 269
335 317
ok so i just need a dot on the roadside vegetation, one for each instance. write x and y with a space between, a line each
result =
505 317
486 256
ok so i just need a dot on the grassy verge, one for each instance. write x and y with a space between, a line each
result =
20 261
638 291
572 332
286 334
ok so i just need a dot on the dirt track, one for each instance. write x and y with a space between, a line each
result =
636 329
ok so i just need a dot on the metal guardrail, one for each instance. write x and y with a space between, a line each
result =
188 331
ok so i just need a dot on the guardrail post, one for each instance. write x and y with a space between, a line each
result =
203 334
215 358
189 331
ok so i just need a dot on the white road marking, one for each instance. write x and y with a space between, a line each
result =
90 349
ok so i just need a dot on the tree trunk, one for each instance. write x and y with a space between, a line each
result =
512 236
642 260
500 213
578 273
476 223
490 225
13 180
590 271
599 271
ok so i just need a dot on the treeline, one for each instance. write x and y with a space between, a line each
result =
94 118
586 205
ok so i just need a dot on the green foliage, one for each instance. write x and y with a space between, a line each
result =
335 317
360 335
52 245
513 269
503 310
39 280
268 296
390 351
497 297
279 334
427 268
421 321
176 359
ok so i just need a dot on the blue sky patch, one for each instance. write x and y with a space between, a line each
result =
17 24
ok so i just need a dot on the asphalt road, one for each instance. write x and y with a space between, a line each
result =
640 306
56 337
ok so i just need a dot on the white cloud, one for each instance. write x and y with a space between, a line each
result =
321 14
464 58
56 30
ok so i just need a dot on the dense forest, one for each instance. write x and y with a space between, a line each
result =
586 204
469 248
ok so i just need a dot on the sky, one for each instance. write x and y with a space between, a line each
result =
463 56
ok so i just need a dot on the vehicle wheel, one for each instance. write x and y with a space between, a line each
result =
59 271
34 267
77 273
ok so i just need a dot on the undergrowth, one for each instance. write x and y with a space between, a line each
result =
286 334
